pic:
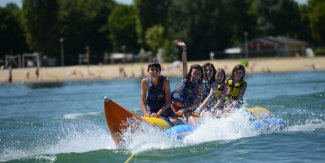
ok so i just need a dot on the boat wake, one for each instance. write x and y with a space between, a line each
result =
310 126
77 138
147 137
232 127
76 116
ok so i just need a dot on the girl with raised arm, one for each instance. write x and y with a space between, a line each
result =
187 96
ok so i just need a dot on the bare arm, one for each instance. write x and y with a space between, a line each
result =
184 57
144 88
213 90
220 101
166 88
184 61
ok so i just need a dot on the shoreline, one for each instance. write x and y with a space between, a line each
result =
99 72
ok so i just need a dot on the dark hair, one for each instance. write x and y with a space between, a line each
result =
214 69
224 74
237 67
154 64
195 66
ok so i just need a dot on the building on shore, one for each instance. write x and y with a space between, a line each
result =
271 46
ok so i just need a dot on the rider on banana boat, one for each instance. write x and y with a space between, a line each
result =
158 100
236 87
210 88
187 95
221 92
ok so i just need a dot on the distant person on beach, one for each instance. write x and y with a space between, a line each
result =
37 72
142 72
158 99
221 92
121 72
210 88
187 96
10 74
124 75
236 87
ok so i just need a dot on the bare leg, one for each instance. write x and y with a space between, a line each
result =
191 120
175 121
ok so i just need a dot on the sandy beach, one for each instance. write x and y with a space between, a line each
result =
96 72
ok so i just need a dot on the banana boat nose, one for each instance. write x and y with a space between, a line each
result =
116 116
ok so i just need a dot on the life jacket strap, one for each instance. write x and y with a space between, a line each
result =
231 97
230 85
234 97
156 102
155 90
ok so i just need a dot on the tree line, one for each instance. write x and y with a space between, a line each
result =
107 26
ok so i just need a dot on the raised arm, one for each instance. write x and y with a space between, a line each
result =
144 88
184 57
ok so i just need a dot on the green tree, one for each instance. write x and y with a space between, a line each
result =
41 24
278 17
99 29
12 6
155 38
150 13
205 26
11 31
121 24
243 19
304 32
317 20
84 23
75 19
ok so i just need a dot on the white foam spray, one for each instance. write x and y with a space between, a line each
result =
77 138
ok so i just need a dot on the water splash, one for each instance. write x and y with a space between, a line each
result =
77 138
234 126
75 116
140 136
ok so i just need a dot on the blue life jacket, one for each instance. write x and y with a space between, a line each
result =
156 96
184 93
206 92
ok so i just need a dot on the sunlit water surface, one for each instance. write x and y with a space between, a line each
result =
66 123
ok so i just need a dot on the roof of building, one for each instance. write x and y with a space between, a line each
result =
286 40
277 41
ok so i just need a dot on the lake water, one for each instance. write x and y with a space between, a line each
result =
66 123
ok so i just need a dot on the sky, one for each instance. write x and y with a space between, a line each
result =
3 3
128 2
